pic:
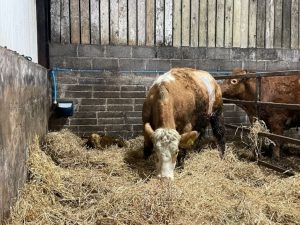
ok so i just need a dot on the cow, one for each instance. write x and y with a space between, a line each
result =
179 106
278 89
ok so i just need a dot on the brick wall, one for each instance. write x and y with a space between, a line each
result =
108 97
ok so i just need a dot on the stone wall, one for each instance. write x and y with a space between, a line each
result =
24 100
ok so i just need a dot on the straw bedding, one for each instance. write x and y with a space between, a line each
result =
69 184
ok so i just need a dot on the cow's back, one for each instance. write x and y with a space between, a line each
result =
281 89
181 96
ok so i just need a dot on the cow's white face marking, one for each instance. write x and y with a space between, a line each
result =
165 145
211 91
166 77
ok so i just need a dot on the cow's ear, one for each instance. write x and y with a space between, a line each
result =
187 139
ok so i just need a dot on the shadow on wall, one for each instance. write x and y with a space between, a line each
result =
56 123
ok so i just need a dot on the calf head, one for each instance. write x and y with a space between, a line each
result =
166 144
240 88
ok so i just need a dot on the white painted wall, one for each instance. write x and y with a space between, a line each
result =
18 27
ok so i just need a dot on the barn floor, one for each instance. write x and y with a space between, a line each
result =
69 184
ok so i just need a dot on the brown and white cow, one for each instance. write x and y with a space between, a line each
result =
179 106
279 89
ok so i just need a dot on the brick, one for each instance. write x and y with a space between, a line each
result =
193 53
93 101
105 64
139 100
217 53
77 88
291 55
91 108
134 120
120 127
281 65
62 50
105 114
120 108
111 101
243 54
138 107
133 114
255 65
84 115
78 94
107 94
133 94
57 62
67 80
78 63
169 53
91 80
159 65
105 121
183 63
83 121
118 51
132 64
107 88
266 54
143 52
133 88
92 128
91 50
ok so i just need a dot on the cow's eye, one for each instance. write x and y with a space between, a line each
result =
234 81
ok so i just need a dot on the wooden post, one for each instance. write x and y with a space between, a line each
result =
295 24
270 24
194 22
236 42
75 23
177 24
228 23
122 22
65 22
159 22
104 21
150 22
286 24
95 25
85 21
211 19
252 23
277 23
55 21
220 23
132 35
141 23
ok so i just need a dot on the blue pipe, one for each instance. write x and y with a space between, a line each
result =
54 93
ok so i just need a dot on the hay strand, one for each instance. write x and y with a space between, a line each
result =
69 184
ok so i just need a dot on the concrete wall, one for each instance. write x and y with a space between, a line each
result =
24 100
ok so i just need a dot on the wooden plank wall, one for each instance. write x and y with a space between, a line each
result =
195 23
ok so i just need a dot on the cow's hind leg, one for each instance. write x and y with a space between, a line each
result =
148 147
218 128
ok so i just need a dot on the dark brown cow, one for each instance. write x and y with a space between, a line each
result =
279 89
179 106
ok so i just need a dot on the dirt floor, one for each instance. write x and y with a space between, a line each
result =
70 184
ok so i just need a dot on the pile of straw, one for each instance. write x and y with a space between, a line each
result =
69 184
